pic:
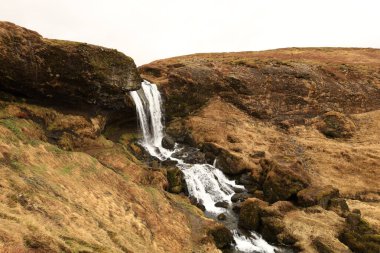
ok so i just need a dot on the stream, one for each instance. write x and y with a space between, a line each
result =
205 183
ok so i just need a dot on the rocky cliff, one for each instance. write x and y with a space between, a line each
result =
299 128
72 178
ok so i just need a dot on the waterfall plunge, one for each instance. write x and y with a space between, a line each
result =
204 182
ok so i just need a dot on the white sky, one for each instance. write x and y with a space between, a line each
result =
148 30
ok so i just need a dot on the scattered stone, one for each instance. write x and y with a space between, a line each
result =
315 195
223 204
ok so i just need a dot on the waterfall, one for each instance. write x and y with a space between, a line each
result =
207 184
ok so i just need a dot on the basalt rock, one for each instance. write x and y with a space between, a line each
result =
64 71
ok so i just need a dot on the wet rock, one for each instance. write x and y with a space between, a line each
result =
222 236
64 71
249 215
283 182
336 125
339 206
315 195
223 204
190 155
222 216
175 179
197 203
168 142
240 197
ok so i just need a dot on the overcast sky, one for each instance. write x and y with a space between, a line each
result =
148 30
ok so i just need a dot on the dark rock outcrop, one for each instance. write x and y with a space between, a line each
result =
64 71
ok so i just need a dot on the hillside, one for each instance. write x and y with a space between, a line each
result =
72 178
298 126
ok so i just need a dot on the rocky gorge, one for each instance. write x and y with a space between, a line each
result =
297 129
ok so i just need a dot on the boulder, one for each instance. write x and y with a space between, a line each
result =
283 182
64 71
222 236
168 142
249 215
190 155
315 195
336 125
223 204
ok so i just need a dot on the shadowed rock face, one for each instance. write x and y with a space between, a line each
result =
70 72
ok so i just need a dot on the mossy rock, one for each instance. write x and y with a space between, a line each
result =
359 236
175 179
317 196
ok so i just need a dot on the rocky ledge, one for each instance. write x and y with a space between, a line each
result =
64 71
299 128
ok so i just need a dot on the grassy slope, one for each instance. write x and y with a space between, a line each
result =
57 200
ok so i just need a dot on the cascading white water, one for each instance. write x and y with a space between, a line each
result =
205 182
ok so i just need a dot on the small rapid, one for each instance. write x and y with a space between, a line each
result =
205 183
